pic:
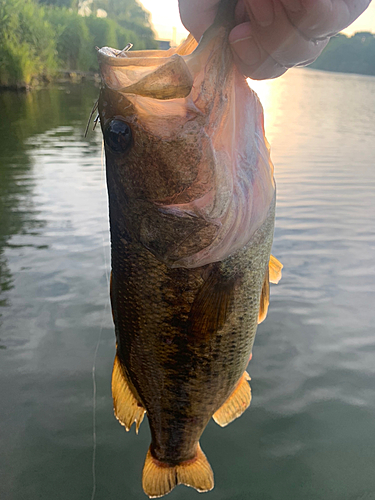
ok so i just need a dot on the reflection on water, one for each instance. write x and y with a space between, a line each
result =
309 431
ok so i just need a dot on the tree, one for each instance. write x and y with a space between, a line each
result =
130 15
27 45
349 55
62 3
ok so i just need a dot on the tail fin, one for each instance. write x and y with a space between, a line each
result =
159 478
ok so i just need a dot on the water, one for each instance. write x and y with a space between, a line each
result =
309 432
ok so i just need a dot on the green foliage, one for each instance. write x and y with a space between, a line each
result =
27 46
125 36
105 32
73 39
36 38
130 15
349 55
62 3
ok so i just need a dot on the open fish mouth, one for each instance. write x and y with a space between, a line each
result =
157 74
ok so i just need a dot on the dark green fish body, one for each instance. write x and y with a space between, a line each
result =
192 209
184 336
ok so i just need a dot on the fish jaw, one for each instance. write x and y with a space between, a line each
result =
244 182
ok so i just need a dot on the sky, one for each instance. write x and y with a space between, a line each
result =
165 17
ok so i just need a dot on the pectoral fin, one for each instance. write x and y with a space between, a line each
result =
212 305
126 407
236 404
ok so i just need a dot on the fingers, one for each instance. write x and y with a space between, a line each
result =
250 57
293 5
322 18
285 42
197 15
262 11
274 35
268 49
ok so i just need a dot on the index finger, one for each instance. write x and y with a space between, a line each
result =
324 18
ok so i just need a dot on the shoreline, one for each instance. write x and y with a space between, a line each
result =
61 76
73 76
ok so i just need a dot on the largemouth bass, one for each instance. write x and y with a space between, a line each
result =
192 209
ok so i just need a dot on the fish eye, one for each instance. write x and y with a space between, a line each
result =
118 136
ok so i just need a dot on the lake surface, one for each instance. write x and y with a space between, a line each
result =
309 433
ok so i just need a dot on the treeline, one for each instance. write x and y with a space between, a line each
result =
349 55
38 38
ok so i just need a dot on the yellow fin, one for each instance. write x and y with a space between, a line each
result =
275 267
264 298
236 404
273 275
159 478
126 407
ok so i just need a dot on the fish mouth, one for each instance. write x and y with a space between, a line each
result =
158 74
125 57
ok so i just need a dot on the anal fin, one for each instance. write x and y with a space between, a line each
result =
126 407
236 404
159 478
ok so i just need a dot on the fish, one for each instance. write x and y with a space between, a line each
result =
192 209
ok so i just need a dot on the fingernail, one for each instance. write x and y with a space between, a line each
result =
263 12
247 50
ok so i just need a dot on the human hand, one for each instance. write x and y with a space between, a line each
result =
272 36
